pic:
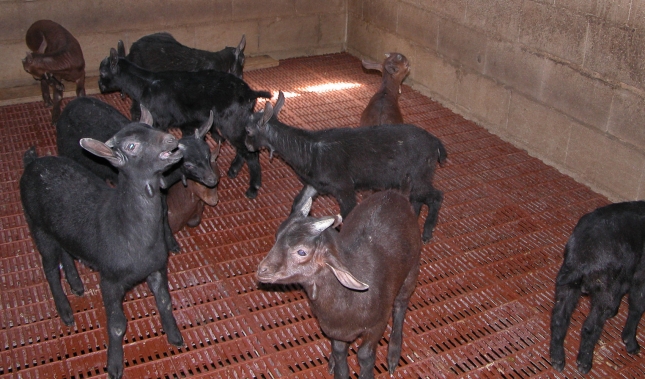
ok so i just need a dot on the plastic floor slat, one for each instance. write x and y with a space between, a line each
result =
484 295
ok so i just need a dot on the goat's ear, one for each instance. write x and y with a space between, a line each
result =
279 103
146 116
267 114
241 46
320 225
343 275
120 49
369 65
201 132
114 60
43 45
102 150
305 207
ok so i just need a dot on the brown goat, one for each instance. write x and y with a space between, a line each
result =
55 56
383 107
186 202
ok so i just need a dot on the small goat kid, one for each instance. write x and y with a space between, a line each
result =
73 214
354 279
339 161
55 56
604 258
383 107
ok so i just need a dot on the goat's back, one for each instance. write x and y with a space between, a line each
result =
56 36
609 238
162 52
88 117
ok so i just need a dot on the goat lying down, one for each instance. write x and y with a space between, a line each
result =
73 214
356 278
55 56
604 258
339 161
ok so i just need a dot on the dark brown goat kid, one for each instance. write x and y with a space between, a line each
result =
55 56
355 278
383 107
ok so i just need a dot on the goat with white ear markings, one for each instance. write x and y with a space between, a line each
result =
73 214
356 278
604 258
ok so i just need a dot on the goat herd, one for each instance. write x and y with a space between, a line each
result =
113 197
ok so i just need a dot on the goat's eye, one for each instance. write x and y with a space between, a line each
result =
302 253
130 146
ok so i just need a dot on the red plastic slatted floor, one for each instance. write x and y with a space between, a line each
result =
481 307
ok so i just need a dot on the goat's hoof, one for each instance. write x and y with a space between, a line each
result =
584 367
426 239
115 374
557 364
68 320
176 340
231 173
251 193
78 291
632 347
332 364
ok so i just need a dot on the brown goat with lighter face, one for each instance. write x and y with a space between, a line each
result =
55 56
383 107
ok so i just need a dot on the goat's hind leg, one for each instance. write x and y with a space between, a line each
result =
51 254
636 310
305 193
398 316
604 305
71 273
433 199
158 283
566 299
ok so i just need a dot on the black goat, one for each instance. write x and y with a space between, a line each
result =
162 52
88 117
354 279
340 161
604 258
72 213
182 99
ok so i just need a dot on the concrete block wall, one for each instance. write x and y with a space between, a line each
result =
564 79
280 28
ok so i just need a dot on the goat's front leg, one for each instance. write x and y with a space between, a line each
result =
338 359
59 88
367 355
44 89
171 242
255 172
158 283
236 166
113 294
80 86
346 200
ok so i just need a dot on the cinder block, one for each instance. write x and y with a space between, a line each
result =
451 9
552 30
615 11
637 15
364 39
418 25
605 162
355 8
541 130
332 29
483 98
463 45
381 13
316 7
96 47
584 98
499 18
434 73
216 37
11 72
641 188
627 118
252 9
617 52
515 67
289 33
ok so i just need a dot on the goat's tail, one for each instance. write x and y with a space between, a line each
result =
568 275
443 154
406 185
263 94
29 156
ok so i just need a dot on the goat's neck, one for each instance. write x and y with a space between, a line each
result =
133 79
53 62
391 86
295 146
139 199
